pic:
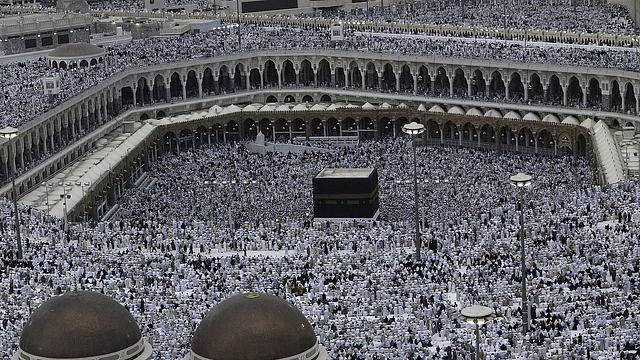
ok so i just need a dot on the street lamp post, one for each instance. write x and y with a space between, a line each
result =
84 204
47 189
478 315
64 196
522 180
239 33
10 133
414 129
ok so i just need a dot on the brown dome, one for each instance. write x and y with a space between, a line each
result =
76 50
254 326
80 324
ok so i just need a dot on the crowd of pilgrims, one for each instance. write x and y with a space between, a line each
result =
220 220
22 90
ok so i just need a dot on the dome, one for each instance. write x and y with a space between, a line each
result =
550 118
531 117
512 115
493 113
456 110
76 50
255 326
571 120
81 324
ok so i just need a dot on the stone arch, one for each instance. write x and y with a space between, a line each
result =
307 99
366 128
450 132
201 136
556 94
594 93
142 91
630 98
324 73
333 127
233 131
478 85
159 91
564 143
406 78
288 73
217 132
250 129
239 82
388 78
317 127
355 75
224 80
441 83
349 127
371 81
306 73
282 130
574 92
544 139
271 99
496 87
516 88
432 130
192 84
298 128
170 143
266 128
460 86
423 80
535 89
186 140
176 86
385 127
581 145
525 140
255 80
399 123
487 136
270 74
341 78
469 134
208 82
616 97
325 98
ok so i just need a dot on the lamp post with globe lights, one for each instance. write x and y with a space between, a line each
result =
414 130
522 180
10 133
478 315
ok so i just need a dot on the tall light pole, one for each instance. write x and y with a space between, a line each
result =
64 196
414 130
239 33
10 133
478 315
522 180
84 204
47 189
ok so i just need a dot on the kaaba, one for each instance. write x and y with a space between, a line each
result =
344 193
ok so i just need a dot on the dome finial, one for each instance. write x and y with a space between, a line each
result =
251 294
